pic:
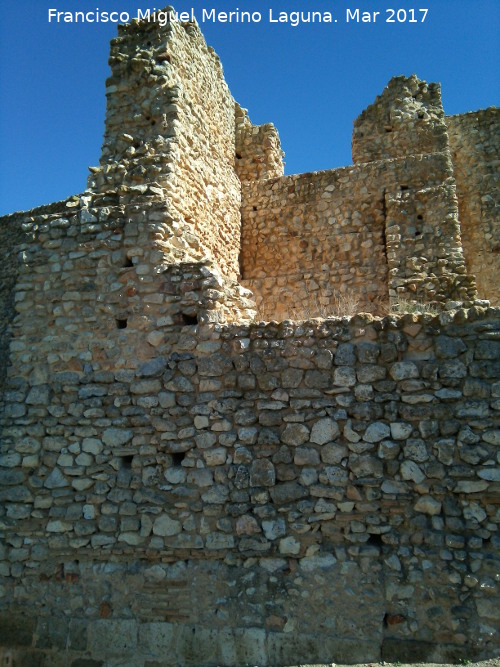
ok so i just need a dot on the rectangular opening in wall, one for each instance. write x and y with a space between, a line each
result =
126 461
121 323
178 458
188 320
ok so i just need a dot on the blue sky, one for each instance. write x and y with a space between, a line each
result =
311 81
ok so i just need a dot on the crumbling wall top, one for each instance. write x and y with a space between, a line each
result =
406 119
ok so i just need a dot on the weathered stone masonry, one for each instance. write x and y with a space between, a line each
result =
181 484
474 141
385 228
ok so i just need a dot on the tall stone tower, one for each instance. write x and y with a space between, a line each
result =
170 136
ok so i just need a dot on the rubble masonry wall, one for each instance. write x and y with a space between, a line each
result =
474 139
170 126
316 244
182 483
167 482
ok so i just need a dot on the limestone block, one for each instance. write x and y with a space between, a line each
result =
324 431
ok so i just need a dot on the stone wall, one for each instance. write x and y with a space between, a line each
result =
474 139
208 192
406 119
192 150
319 244
170 127
185 485
258 149
224 486
98 259
11 235
424 251
362 237
310 240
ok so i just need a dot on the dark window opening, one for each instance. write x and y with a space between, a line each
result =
127 263
153 122
417 233
188 320
238 156
121 324
254 208
420 217
403 187
127 461
375 540
178 458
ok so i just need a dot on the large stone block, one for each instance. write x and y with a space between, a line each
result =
108 637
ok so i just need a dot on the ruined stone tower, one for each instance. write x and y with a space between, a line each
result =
183 484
